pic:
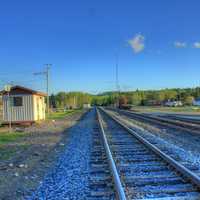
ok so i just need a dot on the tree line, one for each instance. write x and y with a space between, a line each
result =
137 97
70 99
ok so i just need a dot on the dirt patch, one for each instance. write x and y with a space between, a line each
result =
23 163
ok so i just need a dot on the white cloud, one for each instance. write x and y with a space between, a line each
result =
180 44
137 43
196 45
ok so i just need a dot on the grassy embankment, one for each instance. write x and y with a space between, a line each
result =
61 115
184 109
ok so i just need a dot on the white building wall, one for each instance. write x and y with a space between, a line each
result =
18 113
39 107
86 105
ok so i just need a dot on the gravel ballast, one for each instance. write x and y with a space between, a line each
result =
68 179
184 149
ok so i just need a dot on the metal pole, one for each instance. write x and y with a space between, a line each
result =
10 113
47 79
46 73
117 80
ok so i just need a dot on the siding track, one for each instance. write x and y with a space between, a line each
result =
185 139
146 172
193 121
175 123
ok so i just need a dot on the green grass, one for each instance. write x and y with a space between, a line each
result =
6 152
184 109
61 115
10 137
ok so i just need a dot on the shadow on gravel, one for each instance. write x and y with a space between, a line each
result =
68 176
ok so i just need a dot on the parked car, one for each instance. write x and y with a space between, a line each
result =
173 103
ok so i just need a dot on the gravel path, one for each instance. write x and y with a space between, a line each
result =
68 179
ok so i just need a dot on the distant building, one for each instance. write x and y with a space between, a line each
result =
23 105
196 102
86 105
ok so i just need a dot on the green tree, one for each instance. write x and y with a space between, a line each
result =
170 94
188 100
136 99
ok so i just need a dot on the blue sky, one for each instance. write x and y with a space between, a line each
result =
157 42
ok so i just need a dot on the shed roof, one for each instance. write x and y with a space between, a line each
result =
22 90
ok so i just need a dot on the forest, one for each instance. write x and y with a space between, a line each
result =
135 98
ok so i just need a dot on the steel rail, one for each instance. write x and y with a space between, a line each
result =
164 119
184 119
177 166
166 122
117 183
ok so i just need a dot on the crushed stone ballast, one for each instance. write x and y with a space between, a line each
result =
145 171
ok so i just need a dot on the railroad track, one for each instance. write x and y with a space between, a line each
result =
192 121
101 184
171 123
139 169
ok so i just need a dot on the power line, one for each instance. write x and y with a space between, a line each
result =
27 80
18 73
46 73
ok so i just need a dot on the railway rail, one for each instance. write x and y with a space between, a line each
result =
192 121
101 184
139 169
171 123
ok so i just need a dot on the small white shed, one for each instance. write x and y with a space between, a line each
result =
86 105
23 105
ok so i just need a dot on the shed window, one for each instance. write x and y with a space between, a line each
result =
17 101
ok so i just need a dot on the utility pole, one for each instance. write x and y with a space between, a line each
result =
47 80
117 79
9 109
46 73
